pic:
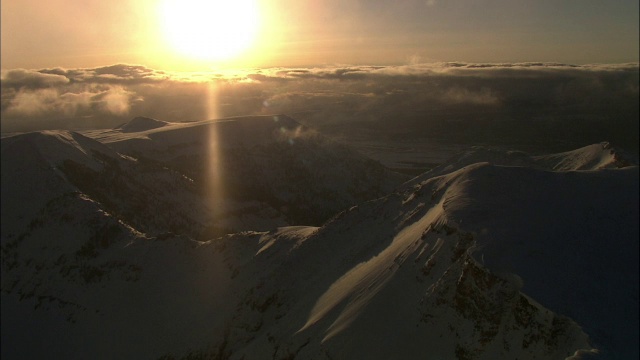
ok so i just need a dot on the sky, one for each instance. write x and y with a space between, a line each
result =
464 70
93 33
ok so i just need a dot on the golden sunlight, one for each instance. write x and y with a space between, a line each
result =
210 29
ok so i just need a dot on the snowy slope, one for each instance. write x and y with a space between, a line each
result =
32 174
50 165
432 258
570 237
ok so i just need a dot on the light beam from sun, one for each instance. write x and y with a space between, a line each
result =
215 161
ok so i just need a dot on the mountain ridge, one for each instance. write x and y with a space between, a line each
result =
455 263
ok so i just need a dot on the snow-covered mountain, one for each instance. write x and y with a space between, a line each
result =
535 258
269 159
591 157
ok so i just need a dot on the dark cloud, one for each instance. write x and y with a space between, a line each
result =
115 74
21 78
457 101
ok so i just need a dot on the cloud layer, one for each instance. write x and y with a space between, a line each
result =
433 99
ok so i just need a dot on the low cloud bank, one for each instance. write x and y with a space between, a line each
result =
457 101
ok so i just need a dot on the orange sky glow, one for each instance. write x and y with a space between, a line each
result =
73 33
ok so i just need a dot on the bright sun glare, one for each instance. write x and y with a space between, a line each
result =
210 29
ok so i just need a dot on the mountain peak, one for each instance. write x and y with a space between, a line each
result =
55 146
591 157
141 123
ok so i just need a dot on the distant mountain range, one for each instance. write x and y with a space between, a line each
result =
256 238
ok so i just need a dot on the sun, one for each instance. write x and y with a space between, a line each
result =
210 29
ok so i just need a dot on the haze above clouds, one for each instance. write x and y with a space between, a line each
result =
73 33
